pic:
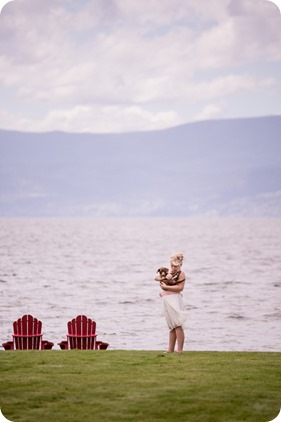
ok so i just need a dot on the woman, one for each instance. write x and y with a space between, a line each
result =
173 303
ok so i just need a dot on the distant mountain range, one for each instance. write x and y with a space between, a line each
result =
210 168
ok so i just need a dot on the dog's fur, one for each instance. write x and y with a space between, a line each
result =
163 271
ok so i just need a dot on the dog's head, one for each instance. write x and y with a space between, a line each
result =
163 271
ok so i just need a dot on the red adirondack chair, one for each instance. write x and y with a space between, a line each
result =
28 335
82 335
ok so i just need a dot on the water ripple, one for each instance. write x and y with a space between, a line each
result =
57 269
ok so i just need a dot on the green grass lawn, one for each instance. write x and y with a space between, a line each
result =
74 386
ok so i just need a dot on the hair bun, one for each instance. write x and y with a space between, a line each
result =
177 259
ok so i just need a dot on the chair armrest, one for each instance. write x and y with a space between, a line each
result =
8 345
63 345
46 345
101 345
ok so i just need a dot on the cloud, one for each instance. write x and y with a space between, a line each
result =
165 12
209 112
99 118
144 63
82 118
227 85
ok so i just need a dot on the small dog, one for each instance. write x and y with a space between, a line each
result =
163 271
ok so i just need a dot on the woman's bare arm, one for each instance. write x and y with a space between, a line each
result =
176 288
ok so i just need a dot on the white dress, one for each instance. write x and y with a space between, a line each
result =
174 310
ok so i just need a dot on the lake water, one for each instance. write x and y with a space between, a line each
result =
56 269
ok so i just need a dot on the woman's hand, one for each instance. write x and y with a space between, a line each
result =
163 286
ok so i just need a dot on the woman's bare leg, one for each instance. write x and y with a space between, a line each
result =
180 338
172 340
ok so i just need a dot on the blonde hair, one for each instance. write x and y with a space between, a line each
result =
177 259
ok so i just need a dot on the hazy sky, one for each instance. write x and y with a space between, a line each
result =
122 65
